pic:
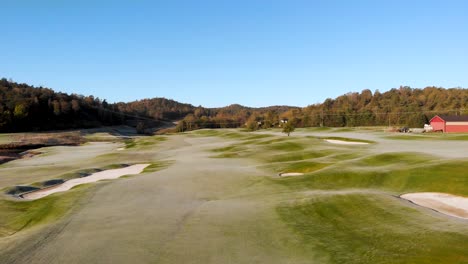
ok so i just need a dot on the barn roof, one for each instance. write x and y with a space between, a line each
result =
454 118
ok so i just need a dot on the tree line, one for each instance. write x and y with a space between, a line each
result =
28 108
403 106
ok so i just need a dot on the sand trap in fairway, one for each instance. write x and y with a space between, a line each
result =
342 142
441 202
288 174
102 175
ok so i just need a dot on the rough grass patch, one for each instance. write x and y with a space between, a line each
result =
271 141
258 136
394 158
19 215
302 167
447 177
228 148
227 155
143 141
157 166
286 146
428 136
366 228
298 156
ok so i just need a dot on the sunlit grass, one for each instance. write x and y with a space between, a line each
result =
144 142
19 215
367 228
429 136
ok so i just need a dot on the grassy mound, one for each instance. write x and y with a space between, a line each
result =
19 215
366 228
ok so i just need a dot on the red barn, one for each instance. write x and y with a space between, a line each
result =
446 123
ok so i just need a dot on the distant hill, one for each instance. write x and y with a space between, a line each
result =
157 108
398 106
28 108
403 106
193 117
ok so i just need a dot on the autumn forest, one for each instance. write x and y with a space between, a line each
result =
27 108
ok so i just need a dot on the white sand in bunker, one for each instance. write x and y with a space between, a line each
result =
342 142
289 174
442 202
102 175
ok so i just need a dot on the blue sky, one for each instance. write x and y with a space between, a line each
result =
216 53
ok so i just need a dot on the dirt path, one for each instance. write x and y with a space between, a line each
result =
191 212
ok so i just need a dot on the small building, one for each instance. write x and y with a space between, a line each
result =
450 123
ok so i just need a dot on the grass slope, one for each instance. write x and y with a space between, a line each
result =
16 216
367 228
344 209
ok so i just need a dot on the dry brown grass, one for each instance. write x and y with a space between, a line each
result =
27 141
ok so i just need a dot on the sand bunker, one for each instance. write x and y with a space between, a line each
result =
102 175
342 142
441 202
288 174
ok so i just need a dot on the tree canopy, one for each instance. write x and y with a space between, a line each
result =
288 128
28 108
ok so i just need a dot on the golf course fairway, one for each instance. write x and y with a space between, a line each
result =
215 196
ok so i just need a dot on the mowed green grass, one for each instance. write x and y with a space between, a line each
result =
448 177
284 154
369 228
429 136
18 215
143 142
346 208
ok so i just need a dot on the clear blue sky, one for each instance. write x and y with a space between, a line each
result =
216 53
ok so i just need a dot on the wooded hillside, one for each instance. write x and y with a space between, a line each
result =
402 106
27 108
